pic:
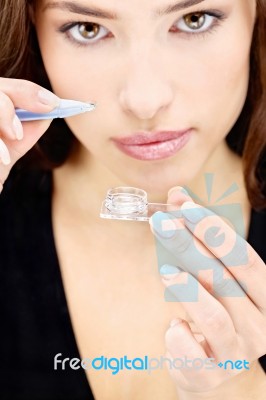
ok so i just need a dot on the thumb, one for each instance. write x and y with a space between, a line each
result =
178 195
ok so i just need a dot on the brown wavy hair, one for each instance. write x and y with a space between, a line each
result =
20 58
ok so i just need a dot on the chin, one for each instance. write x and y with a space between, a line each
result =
155 178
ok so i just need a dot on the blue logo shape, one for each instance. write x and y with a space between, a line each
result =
180 248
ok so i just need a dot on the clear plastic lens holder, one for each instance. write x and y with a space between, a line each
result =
130 204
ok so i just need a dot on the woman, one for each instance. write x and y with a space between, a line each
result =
180 92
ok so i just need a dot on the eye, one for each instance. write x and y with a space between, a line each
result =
196 22
86 32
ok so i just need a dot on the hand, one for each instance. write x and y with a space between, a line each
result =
220 281
17 138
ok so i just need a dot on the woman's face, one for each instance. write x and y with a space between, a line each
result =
169 78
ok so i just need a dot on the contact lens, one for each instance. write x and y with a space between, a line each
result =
129 203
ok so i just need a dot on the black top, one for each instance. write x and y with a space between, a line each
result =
35 322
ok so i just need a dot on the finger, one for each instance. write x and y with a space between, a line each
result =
235 253
251 330
198 335
28 95
191 255
178 195
11 151
219 287
10 126
248 340
32 133
4 154
208 314
189 358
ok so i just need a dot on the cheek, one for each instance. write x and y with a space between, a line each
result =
66 76
73 72
78 78
227 73
220 86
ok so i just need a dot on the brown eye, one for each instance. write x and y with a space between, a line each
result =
86 33
194 20
89 30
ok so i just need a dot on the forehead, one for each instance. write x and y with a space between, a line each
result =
117 8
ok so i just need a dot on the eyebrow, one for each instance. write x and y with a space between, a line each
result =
76 8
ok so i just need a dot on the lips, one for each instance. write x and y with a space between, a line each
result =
153 145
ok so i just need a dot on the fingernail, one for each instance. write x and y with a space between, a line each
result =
176 190
4 153
163 225
175 322
192 212
17 127
169 272
178 195
48 98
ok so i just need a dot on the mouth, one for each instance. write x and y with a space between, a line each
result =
151 146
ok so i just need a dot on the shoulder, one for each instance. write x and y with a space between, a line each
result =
25 184
24 207
257 232
24 192
257 239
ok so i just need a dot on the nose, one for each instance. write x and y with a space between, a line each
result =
146 89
